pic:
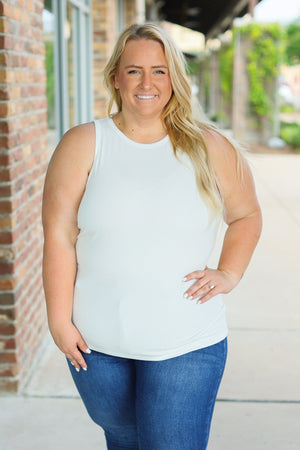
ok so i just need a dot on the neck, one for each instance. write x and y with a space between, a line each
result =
140 129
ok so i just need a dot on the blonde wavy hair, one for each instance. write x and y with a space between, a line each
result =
186 134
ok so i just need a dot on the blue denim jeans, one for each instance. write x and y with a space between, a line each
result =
153 405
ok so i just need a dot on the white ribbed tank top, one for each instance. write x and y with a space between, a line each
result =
143 227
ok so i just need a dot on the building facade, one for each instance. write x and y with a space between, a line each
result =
52 54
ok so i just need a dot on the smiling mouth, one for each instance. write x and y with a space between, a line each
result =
146 97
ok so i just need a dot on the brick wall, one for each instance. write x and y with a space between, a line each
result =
23 160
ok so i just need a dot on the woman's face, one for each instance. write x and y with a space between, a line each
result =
143 78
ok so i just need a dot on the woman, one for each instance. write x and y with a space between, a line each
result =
131 208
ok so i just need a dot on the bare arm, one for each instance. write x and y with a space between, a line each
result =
243 216
64 186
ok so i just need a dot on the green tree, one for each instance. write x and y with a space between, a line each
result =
293 43
264 57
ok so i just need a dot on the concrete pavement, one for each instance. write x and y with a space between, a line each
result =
258 404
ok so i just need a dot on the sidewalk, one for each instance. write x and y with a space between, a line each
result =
258 405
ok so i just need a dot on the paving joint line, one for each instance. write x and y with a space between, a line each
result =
220 400
234 400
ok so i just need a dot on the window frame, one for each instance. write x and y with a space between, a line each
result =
81 11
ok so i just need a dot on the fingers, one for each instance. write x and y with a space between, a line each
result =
75 354
69 340
196 274
76 359
209 283
202 292
83 346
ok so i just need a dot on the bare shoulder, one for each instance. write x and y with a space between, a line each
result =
76 147
68 170
221 151
234 175
228 161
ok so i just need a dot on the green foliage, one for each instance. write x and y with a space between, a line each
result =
292 50
226 71
264 56
193 67
50 86
284 108
290 133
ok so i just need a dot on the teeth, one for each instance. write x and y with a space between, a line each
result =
145 96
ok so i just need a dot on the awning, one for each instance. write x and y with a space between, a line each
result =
210 17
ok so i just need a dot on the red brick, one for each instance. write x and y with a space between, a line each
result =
6 222
6 238
9 385
20 166
8 344
4 109
8 357
4 93
7 254
7 298
17 14
7 329
5 127
17 155
5 207
6 268
4 157
4 176
9 370
7 42
7 314
6 190
6 9
9 141
14 61
4 58
7 284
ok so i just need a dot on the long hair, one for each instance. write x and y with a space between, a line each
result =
185 133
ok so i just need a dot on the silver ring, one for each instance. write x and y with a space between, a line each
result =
211 286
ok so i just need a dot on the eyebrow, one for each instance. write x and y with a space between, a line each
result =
140 67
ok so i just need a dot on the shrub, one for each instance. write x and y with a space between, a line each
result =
290 133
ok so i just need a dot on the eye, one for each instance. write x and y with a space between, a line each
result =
160 72
133 71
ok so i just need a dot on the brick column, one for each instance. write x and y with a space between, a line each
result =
23 160
105 33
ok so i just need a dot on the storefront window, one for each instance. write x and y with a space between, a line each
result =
68 63
49 39
71 31
120 16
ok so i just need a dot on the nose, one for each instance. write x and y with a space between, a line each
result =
146 81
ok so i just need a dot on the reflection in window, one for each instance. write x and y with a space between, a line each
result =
67 27
120 16
71 31
49 40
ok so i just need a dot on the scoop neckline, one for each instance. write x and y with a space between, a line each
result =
131 141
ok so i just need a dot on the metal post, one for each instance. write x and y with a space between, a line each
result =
251 6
